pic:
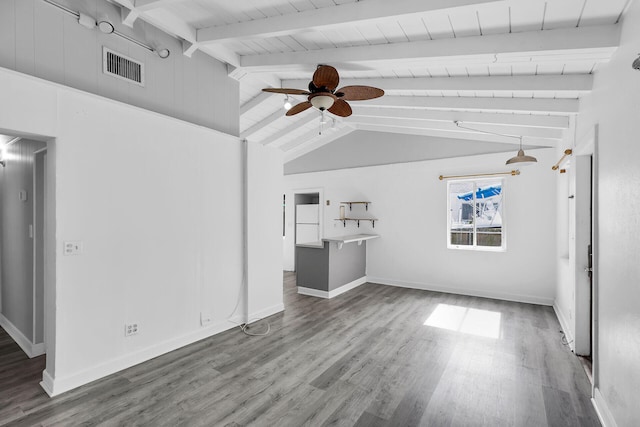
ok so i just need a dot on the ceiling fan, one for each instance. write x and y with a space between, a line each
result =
322 93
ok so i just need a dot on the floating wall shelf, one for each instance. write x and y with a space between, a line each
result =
366 204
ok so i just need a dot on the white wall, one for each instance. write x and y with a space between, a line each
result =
410 203
614 106
265 229
41 40
157 205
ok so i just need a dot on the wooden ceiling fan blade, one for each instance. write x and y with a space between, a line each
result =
286 91
340 108
359 93
298 108
326 76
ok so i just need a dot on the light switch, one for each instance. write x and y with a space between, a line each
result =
22 194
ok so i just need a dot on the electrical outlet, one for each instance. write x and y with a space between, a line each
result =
72 248
205 318
131 329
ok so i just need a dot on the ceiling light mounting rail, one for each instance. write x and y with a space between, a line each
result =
107 28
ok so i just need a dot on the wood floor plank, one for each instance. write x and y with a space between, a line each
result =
365 358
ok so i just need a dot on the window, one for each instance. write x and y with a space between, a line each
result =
475 219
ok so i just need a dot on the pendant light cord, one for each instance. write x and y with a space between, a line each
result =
457 123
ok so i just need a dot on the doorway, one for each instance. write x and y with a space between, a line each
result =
307 219
23 250
584 250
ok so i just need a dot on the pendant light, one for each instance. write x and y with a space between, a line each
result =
521 159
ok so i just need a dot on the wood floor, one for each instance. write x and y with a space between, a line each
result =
365 358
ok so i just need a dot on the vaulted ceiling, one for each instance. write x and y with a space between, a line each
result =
514 67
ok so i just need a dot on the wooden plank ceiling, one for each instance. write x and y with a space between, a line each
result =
516 67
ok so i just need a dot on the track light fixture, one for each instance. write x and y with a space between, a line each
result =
106 27
287 103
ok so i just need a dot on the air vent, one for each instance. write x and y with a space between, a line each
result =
122 67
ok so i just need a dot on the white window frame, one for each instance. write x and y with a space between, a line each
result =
503 215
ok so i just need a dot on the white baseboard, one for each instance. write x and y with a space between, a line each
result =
30 349
334 293
47 383
266 312
568 334
312 292
529 299
61 384
606 418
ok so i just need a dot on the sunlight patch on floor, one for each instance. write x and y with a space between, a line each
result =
482 323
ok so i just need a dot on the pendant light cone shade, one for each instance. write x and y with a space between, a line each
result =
522 159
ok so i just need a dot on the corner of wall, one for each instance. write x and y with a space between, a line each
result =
30 349
600 405
564 324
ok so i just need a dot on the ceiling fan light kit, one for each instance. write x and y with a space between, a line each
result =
322 101
287 103
323 96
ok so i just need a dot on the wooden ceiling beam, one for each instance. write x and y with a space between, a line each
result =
343 14
578 83
518 105
312 141
267 121
277 139
470 118
255 102
595 43
174 26
146 5
523 131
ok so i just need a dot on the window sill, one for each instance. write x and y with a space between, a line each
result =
477 248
